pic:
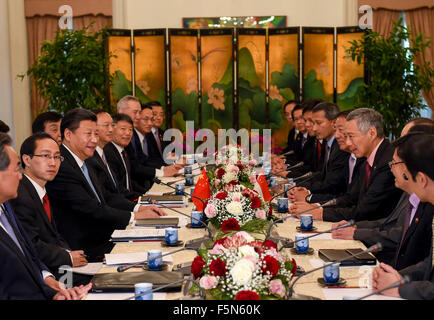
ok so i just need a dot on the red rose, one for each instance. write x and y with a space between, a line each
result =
220 173
247 295
233 183
219 241
245 193
270 212
230 225
270 244
259 247
221 195
217 267
197 266
256 203
294 266
270 265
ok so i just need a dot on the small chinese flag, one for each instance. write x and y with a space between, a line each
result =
202 191
261 186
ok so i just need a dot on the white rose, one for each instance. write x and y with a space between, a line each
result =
242 272
246 250
229 176
235 208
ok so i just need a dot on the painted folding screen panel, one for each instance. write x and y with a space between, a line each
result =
217 78
251 79
183 77
150 65
318 63
350 75
283 78
119 45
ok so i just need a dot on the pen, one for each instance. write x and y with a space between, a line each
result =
84 255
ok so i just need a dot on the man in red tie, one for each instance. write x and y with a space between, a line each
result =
40 158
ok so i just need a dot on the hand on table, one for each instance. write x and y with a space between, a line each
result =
344 233
384 276
298 207
149 212
78 259
76 293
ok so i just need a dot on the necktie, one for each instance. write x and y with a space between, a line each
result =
86 175
352 163
368 170
157 139
145 146
127 165
408 210
46 204
5 222
319 149
104 160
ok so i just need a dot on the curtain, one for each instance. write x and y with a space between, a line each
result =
383 21
422 21
42 21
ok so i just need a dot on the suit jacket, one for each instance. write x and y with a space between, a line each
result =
323 197
290 141
416 244
333 175
421 286
116 197
155 157
372 202
297 147
115 162
49 244
20 274
81 219
307 156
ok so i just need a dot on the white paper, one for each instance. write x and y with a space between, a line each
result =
316 263
338 294
121 296
89 269
324 236
138 233
131 258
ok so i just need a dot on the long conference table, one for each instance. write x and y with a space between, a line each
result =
358 281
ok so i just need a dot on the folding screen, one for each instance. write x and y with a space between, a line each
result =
183 77
318 63
251 79
119 45
150 65
283 77
349 74
217 79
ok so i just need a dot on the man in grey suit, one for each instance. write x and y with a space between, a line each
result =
417 152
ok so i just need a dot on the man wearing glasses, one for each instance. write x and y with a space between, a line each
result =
40 158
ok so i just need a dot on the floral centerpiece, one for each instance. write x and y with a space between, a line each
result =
241 268
238 208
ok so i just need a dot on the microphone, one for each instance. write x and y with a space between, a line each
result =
291 167
288 153
124 268
346 225
168 285
175 181
195 243
287 243
374 248
306 176
158 181
404 280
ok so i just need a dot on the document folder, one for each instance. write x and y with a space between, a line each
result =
339 254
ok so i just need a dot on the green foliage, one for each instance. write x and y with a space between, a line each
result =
396 81
71 71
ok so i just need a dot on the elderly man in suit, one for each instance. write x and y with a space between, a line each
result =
83 216
417 153
22 275
374 196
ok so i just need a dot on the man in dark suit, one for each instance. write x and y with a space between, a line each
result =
83 216
417 153
332 179
40 158
158 119
374 196
115 195
142 172
22 275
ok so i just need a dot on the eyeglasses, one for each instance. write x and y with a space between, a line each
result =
48 157
392 163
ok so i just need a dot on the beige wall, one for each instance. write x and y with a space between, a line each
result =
135 14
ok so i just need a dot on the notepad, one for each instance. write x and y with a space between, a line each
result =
138 234
90 269
112 259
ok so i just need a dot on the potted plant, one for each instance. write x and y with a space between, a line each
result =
72 71
395 81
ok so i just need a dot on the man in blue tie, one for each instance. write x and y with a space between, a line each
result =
22 275
84 218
